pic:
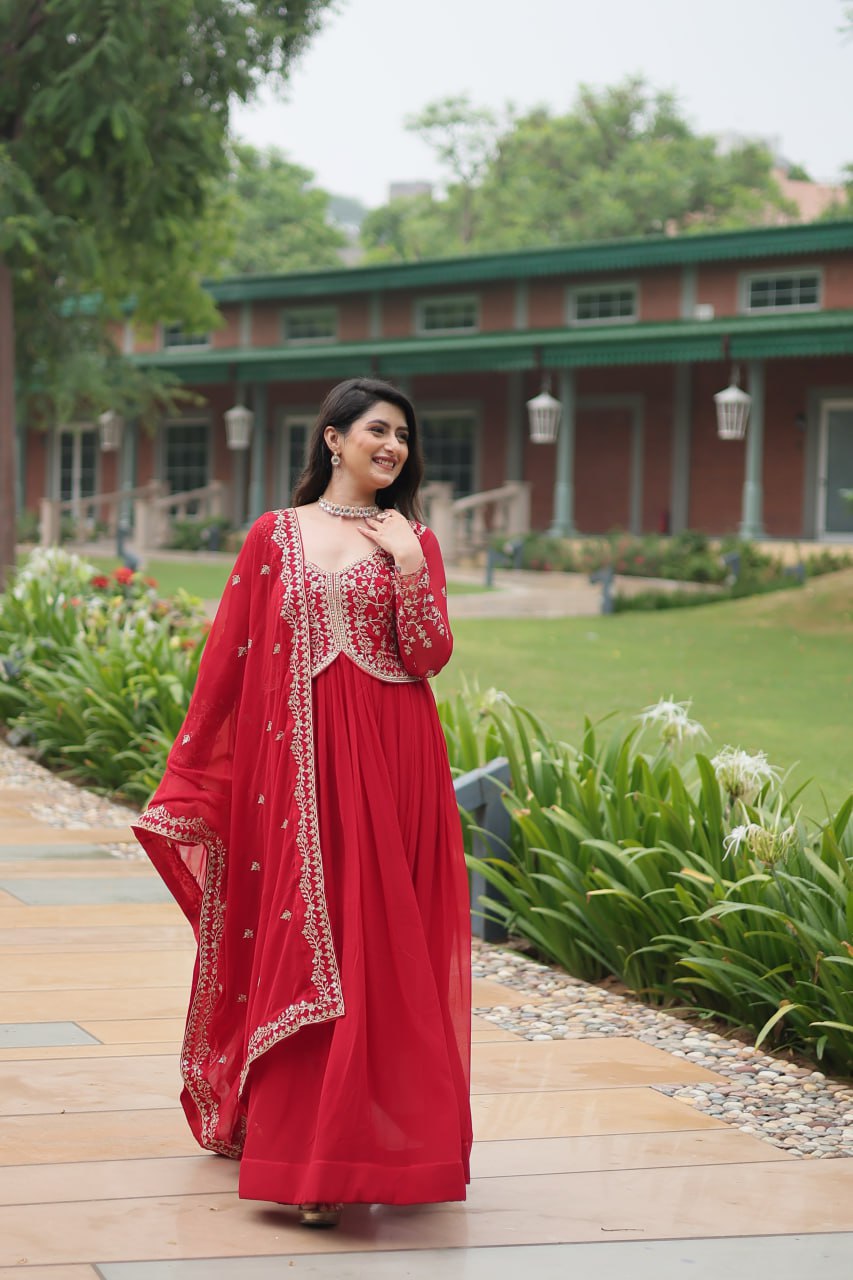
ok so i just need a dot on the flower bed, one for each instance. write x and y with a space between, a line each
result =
694 880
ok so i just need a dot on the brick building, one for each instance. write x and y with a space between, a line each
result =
636 337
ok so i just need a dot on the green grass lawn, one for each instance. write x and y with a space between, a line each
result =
771 673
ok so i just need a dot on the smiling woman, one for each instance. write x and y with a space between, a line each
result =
328 1039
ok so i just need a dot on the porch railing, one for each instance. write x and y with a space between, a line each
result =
154 509
464 526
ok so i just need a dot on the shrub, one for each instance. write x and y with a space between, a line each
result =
197 535
624 861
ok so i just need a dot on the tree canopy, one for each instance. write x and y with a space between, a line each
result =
113 147
623 161
278 221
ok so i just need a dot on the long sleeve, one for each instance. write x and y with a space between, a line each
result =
420 602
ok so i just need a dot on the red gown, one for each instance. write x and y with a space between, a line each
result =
307 826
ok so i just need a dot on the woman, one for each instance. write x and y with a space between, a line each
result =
307 826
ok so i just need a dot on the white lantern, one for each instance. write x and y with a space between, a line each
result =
733 407
238 426
543 412
110 428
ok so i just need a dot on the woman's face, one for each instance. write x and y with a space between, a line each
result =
375 449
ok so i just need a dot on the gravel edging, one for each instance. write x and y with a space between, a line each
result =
793 1107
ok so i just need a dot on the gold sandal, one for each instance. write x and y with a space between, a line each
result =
320 1215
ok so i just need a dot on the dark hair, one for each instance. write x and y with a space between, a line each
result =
343 405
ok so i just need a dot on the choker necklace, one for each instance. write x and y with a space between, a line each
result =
348 513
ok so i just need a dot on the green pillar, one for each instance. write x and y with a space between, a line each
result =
257 494
515 425
679 497
752 512
563 523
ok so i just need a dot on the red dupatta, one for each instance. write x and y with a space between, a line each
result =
233 831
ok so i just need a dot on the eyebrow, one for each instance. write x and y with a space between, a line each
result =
381 422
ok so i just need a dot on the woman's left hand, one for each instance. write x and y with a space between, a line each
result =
392 532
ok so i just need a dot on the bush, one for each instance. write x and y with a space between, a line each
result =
27 528
96 670
692 882
198 535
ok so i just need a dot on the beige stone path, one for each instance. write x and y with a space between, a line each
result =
573 1145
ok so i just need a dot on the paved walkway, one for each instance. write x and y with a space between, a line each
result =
581 1167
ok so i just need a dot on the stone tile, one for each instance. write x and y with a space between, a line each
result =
33 1035
46 1088
105 865
117 1179
485 994
32 832
63 1139
90 915
91 970
105 937
50 1273
85 890
61 853
83 1006
73 1052
578 1112
620 1151
137 1030
569 1064
8 899
483 1032
786 1197
785 1258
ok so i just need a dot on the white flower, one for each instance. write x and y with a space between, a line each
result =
768 844
674 721
742 775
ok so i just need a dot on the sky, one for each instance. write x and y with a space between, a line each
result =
781 69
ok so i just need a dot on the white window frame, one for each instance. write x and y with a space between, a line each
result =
450 299
614 286
288 419
749 277
308 310
182 346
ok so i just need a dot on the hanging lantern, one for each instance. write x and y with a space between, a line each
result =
733 407
543 413
110 430
238 426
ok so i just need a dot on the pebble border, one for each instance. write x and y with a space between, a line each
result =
794 1108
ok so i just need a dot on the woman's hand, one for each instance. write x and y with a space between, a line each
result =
392 532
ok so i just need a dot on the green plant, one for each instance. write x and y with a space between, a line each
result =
197 535
626 861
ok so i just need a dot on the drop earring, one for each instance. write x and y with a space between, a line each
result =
336 460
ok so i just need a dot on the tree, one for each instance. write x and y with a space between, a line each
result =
623 162
113 133
277 219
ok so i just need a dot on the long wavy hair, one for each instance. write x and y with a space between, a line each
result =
343 405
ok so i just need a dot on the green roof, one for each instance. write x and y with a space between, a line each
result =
567 260
816 333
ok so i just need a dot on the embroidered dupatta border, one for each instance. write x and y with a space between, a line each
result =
196 1047
317 928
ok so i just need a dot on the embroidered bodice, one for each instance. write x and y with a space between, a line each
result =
394 627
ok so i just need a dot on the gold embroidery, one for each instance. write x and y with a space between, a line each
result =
256 866
235 579
248 933
285 915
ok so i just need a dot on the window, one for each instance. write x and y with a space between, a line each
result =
177 339
448 315
449 447
610 304
186 448
783 291
310 324
78 464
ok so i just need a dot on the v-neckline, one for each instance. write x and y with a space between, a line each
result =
329 573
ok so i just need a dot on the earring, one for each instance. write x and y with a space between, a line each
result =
336 460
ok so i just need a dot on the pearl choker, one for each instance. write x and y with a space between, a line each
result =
348 513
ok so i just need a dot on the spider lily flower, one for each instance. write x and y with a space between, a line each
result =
742 775
673 721
768 844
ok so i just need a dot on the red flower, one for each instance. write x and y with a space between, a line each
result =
100 581
123 575
150 582
74 601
